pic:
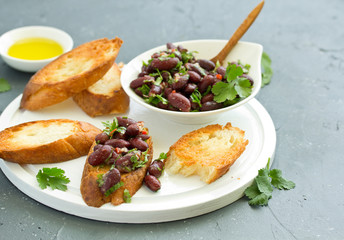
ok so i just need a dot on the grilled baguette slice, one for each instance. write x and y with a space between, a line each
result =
132 181
104 97
70 73
46 141
208 152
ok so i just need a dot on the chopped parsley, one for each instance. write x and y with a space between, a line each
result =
52 177
261 189
111 127
126 196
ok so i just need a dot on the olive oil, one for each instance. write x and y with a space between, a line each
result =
35 49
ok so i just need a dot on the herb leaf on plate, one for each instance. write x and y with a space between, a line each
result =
53 178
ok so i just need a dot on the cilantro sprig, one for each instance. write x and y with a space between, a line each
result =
263 185
4 85
53 178
235 85
111 127
126 196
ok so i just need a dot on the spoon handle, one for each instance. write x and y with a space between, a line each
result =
245 25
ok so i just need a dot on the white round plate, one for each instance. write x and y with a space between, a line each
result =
180 197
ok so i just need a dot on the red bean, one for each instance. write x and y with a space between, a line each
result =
222 71
102 138
125 122
190 88
179 82
117 143
206 64
194 77
139 144
132 130
179 101
207 98
155 90
156 168
211 105
170 46
110 179
97 146
152 183
124 164
138 82
166 64
205 83
100 155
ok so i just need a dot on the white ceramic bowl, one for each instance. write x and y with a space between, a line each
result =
10 37
246 52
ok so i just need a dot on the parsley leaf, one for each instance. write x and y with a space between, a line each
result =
266 69
243 87
261 189
4 85
223 91
233 71
52 177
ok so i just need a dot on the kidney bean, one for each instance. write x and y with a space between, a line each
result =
170 46
138 92
167 91
117 143
166 76
110 179
155 90
139 144
166 64
181 48
97 146
206 64
190 88
100 155
205 83
124 164
138 82
132 130
125 122
179 82
143 136
179 101
119 135
156 168
211 105
196 68
222 71
207 98
152 183
113 158
194 77
102 138
155 55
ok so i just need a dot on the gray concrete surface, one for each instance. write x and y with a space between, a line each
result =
305 40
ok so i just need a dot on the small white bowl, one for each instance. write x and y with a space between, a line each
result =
10 37
246 52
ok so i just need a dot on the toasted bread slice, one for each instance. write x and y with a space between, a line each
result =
104 97
46 141
132 181
70 73
208 152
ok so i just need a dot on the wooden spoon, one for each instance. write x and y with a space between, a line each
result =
245 25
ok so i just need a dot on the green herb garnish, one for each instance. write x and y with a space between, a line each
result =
234 86
4 85
261 189
111 127
266 69
113 188
196 97
126 196
52 177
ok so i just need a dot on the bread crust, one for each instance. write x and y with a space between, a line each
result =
112 100
132 181
197 153
70 73
75 145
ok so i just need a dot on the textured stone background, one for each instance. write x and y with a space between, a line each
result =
305 40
